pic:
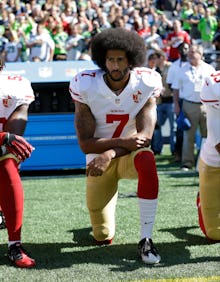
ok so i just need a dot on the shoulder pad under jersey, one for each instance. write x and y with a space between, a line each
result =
83 79
149 77
211 89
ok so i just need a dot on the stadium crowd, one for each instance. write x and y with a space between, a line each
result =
54 30
48 30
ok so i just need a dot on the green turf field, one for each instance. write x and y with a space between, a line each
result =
57 233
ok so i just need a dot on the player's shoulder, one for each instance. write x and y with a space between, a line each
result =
211 88
213 80
85 78
12 79
17 86
148 76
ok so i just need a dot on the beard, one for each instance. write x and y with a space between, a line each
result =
122 75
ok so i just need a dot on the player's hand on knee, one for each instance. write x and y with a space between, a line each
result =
98 165
16 145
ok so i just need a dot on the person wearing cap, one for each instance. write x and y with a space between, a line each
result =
189 81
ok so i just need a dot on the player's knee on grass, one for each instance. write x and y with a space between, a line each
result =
103 224
213 233
103 232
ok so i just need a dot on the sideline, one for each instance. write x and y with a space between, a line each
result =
195 279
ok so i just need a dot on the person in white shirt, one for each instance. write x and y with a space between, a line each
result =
75 43
41 45
12 48
208 200
115 116
189 82
183 50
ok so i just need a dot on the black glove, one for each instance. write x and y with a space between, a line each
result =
16 145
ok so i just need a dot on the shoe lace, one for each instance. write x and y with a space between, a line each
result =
148 247
16 251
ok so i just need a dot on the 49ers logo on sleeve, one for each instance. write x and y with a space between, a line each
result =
7 102
137 97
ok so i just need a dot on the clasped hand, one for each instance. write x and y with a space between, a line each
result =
136 142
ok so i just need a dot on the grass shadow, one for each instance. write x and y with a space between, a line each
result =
82 250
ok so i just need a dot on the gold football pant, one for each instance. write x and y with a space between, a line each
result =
209 188
102 194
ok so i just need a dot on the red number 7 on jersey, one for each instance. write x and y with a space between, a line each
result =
123 119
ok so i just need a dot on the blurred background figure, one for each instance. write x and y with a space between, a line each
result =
164 108
183 50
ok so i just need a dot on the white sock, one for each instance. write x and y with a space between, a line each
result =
13 242
147 216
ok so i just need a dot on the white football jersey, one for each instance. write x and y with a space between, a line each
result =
115 115
14 91
210 96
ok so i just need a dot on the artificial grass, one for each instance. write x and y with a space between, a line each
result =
57 232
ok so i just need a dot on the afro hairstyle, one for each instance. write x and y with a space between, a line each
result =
118 39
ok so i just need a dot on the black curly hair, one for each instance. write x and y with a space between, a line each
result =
118 39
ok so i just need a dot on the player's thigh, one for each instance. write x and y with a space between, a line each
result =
101 189
210 193
126 168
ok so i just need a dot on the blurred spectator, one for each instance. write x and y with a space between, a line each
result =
23 17
60 38
153 41
164 26
75 43
189 80
23 39
151 61
164 108
174 69
95 28
168 6
12 49
207 26
51 24
142 27
41 45
194 20
174 38
3 39
185 12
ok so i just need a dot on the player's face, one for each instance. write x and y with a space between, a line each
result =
117 65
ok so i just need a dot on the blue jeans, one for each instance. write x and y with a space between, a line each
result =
164 112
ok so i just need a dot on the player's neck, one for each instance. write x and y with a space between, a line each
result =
116 86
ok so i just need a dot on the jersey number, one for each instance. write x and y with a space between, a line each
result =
216 77
123 119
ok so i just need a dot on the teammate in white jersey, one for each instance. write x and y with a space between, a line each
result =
15 96
115 116
209 166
